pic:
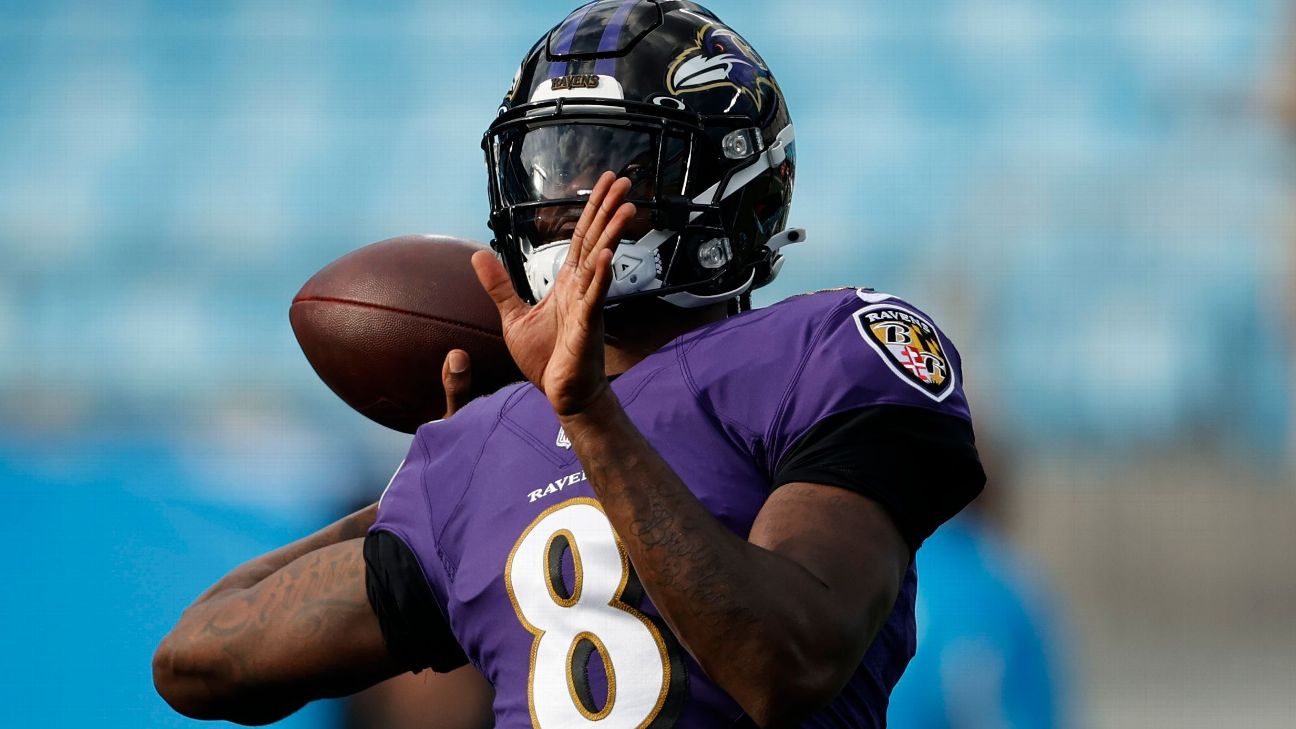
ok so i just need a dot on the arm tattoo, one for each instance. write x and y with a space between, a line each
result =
305 600
691 565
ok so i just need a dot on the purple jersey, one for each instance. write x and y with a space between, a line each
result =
535 585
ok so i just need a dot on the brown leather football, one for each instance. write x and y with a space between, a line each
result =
377 323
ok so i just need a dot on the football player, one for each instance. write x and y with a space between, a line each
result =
687 516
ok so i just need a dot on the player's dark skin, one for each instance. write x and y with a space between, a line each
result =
780 619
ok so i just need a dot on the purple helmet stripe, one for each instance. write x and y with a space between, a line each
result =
566 36
612 36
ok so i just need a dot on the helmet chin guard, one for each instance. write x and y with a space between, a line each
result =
635 269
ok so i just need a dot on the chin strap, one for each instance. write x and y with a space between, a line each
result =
779 241
685 300
786 238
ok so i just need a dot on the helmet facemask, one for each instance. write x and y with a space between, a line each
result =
544 157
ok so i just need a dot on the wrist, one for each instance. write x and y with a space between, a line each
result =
602 413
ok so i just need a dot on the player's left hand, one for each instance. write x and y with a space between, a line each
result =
558 343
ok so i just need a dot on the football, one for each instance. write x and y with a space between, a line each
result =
377 323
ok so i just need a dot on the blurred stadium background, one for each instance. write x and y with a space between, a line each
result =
1093 196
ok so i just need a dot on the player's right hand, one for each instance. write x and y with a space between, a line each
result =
456 380
558 343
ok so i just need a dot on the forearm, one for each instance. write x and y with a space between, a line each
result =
256 654
352 526
754 619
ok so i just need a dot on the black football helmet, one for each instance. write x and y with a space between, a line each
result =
662 92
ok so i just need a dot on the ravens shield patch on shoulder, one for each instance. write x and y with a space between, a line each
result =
910 345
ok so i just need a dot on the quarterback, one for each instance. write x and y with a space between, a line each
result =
691 514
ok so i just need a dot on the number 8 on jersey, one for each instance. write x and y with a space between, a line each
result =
574 622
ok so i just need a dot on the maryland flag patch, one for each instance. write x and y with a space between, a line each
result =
910 345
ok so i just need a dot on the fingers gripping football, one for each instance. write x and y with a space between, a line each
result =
456 380
558 343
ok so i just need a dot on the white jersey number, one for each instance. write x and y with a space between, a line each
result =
573 622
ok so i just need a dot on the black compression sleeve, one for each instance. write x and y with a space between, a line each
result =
416 631
920 465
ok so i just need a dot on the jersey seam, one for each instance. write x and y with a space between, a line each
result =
443 609
423 482
703 403
829 321
847 408
526 436
472 475
935 408
427 505
638 389
536 444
